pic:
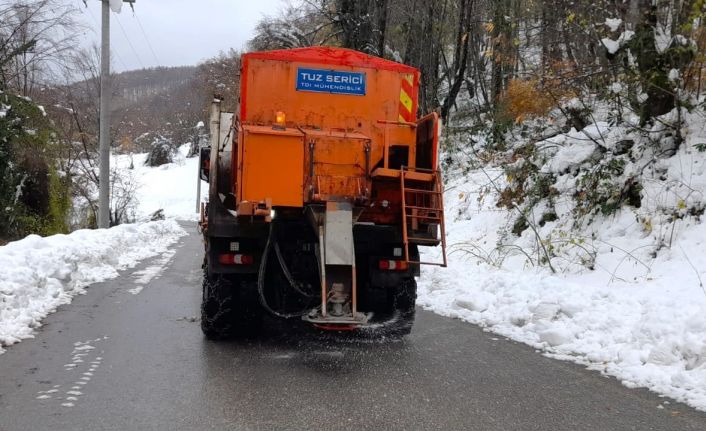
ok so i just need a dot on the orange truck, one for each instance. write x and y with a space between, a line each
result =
321 190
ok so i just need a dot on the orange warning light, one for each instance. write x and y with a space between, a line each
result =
280 121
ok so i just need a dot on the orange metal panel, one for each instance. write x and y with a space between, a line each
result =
273 166
340 164
345 135
269 85
395 173
341 134
401 135
434 119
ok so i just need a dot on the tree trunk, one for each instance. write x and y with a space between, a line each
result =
460 60
355 24
382 13
499 37
551 45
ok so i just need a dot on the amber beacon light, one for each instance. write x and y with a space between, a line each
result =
280 121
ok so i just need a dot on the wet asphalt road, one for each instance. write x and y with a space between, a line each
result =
114 360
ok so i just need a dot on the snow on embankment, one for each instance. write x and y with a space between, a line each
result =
39 274
639 315
646 338
171 187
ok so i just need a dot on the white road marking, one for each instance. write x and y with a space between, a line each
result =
81 349
151 272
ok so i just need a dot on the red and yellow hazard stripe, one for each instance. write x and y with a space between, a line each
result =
406 99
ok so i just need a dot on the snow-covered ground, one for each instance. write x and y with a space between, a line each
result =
39 274
171 188
640 315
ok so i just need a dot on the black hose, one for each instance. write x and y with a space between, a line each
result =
287 274
261 281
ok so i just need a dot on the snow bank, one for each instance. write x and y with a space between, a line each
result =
170 187
571 153
638 313
39 274
646 337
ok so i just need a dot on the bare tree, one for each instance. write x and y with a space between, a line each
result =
457 72
35 38
308 24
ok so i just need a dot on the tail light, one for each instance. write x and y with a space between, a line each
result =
235 259
393 265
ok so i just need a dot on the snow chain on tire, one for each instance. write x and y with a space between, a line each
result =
403 303
226 309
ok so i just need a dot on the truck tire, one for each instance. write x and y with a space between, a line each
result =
404 297
229 307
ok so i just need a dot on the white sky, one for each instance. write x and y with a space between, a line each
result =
181 32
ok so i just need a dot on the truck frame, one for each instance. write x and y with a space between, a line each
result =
321 190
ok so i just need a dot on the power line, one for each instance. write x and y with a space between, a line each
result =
113 50
144 34
134 51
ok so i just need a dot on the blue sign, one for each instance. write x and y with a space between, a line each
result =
331 81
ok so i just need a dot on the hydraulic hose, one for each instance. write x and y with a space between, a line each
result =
261 280
287 274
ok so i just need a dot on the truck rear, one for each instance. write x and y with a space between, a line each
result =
321 190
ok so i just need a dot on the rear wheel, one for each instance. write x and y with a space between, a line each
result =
229 306
393 308
403 300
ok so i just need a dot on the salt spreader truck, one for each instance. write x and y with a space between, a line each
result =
321 190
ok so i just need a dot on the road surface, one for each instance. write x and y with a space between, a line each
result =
129 355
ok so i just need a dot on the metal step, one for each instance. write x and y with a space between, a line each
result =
411 207
433 192
427 217
424 240
435 207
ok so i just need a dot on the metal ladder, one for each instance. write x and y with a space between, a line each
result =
423 206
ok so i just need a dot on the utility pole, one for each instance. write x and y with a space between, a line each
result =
104 134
